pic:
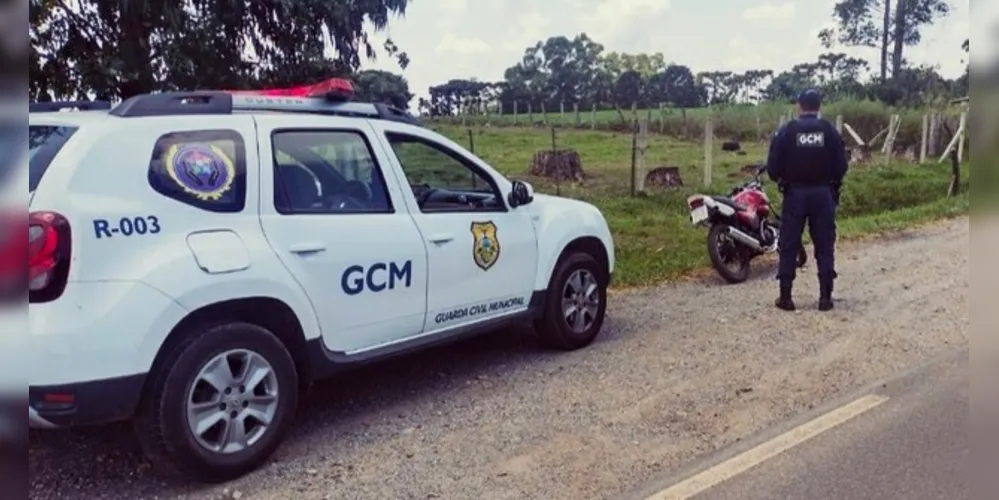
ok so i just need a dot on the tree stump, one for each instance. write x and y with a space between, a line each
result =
860 154
560 164
664 177
731 146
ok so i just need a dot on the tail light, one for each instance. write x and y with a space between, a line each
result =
48 255
695 202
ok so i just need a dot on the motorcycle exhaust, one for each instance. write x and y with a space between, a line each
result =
745 239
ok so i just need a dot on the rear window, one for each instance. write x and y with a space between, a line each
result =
44 143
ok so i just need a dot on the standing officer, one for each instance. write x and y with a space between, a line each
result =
808 160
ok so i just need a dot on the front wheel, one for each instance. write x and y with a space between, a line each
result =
220 404
575 303
727 256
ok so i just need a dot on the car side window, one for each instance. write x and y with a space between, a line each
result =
202 168
327 172
441 179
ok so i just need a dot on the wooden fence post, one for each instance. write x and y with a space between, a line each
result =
709 146
962 131
530 114
639 173
593 117
933 149
924 139
839 124
544 113
662 118
515 115
634 158
575 111
561 112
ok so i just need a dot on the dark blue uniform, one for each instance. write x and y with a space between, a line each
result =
808 159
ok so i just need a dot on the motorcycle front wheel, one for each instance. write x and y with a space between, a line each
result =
728 257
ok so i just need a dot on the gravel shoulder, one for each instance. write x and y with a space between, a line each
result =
681 370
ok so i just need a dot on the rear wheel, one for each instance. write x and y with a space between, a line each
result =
728 257
575 304
220 405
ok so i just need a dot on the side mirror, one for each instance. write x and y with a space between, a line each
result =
521 194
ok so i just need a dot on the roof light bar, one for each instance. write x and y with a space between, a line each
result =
334 89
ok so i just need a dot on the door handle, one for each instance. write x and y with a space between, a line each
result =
310 247
441 239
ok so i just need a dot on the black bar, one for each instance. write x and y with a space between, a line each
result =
175 104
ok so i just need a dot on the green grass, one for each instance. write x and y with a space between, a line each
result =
730 122
653 236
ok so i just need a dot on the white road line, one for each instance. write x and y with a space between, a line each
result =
747 459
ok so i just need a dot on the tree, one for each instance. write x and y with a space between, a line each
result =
721 87
382 86
628 91
645 65
555 71
116 49
675 85
873 23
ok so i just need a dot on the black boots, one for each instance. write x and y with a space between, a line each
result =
784 302
825 295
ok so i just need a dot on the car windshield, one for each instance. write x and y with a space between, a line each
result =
44 142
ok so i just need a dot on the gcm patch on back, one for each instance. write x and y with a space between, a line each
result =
811 139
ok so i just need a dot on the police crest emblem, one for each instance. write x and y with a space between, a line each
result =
201 170
485 245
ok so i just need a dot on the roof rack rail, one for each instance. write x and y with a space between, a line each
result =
331 97
54 106
224 103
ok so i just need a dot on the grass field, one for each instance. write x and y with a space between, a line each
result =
654 239
742 122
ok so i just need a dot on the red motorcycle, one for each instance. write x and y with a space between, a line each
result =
742 226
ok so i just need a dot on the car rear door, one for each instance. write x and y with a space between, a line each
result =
330 207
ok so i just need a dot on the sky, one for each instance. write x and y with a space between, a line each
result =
448 39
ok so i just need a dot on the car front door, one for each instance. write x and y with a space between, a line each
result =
482 258
331 209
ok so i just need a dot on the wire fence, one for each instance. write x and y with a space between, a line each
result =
637 161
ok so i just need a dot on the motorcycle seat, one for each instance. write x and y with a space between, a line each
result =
728 201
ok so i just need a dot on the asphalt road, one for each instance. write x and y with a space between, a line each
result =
912 445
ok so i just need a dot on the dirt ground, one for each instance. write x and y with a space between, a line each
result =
680 370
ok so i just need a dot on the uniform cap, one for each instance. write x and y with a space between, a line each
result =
810 99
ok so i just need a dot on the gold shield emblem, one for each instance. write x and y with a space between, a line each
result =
485 246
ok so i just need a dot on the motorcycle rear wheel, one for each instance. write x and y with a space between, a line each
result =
724 252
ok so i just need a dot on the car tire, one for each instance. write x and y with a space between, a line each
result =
559 330
163 423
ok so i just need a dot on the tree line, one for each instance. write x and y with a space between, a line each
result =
115 49
563 71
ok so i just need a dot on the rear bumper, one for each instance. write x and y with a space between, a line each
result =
86 403
35 421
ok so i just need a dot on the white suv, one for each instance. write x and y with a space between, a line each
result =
197 258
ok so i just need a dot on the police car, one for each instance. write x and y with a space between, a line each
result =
198 258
